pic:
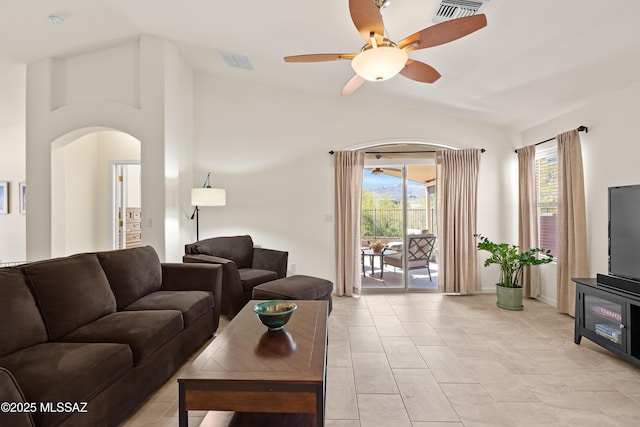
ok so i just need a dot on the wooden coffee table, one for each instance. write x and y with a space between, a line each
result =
249 369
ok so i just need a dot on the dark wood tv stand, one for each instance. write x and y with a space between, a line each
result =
608 316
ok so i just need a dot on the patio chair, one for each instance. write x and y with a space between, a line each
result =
419 253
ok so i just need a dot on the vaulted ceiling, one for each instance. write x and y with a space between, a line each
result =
533 61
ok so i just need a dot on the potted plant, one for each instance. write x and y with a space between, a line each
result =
512 261
377 246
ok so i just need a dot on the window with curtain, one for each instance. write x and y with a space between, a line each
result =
547 187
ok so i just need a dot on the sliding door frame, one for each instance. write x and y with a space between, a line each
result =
402 164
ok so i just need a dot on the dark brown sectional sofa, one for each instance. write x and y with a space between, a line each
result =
105 329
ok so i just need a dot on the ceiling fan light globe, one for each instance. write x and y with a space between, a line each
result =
379 63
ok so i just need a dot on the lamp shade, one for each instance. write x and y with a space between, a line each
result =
379 63
208 197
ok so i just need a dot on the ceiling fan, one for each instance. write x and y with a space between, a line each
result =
380 171
380 58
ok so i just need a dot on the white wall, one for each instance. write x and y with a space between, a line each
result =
268 147
74 197
123 88
12 159
610 153
134 193
12 225
178 162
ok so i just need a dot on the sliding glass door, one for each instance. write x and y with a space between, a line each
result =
420 232
398 209
382 221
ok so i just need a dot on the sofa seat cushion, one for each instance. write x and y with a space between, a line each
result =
251 277
132 273
70 292
21 324
66 372
144 331
192 304
10 392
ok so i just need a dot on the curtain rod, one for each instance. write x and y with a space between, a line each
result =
580 129
482 150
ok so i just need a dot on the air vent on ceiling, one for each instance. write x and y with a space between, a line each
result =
446 10
236 61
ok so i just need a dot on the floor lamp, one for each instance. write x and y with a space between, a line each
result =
206 196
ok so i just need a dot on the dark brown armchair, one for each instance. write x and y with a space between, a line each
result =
243 266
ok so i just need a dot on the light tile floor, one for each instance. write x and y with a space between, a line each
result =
430 360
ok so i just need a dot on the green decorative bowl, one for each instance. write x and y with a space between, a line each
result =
275 314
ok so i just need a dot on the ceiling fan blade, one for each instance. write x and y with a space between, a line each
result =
419 71
352 85
443 32
319 57
367 19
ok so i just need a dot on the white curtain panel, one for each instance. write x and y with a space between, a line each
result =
349 168
528 216
457 201
572 220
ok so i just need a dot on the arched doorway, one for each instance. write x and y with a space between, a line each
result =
81 188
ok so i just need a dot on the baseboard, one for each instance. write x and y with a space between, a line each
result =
550 301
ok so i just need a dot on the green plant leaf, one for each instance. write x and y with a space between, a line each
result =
511 260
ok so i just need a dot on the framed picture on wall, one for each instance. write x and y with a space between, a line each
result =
4 197
22 188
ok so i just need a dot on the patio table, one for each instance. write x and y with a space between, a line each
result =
372 256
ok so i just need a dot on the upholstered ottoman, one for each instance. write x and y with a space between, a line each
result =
296 287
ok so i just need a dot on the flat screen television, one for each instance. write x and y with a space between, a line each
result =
624 232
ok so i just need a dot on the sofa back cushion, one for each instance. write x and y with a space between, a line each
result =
70 292
21 324
132 273
238 249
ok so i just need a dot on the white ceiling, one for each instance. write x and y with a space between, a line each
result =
533 61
